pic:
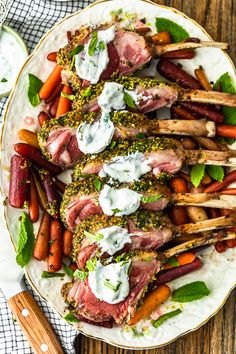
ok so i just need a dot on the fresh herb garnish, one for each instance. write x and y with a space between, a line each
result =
136 333
116 210
76 50
68 270
151 199
216 172
80 274
140 136
70 317
93 237
190 292
25 243
173 261
101 45
196 174
91 264
97 184
93 43
87 92
72 64
113 144
111 286
178 33
46 274
34 87
3 79
69 97
165 317
129 100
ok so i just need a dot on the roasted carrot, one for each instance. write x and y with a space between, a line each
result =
213 213
178 213
60 186
225 212
188 143
161 38
34 202
206 180
55 248
67 242
226 131
42 117
178 185
179 54
183 113
182 259
41 194
150 303
185 176
19 181
29 137
41 246
73 266
201 76
220 246
55 93
51 83
231 243
218 186
229 191
52 56
64 104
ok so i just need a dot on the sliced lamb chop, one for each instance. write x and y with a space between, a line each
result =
163 155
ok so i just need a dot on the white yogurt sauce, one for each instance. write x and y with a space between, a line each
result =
110 283
112 97
114 238
94 138
90 67
120 202
12 56
126 168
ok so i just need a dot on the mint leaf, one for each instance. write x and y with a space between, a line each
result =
151 199
46 274
111 286
196 174
76 50
165 317
3 79
25 244
70 317
93 237
68 270
178 33
226 84
129 100
70 97
93 44
216 172
97 184
190 292
34 87
173 261
80 274
91 264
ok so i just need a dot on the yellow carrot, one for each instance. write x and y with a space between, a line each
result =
29 137
150 303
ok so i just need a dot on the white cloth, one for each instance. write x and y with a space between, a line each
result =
31 19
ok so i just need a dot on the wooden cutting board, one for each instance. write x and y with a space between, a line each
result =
218 336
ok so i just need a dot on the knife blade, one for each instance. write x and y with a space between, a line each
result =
24 308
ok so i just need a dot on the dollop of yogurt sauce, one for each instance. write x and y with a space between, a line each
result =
110 283
90 67
113 239
126 168
123 201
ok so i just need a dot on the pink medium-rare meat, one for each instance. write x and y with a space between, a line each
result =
87 305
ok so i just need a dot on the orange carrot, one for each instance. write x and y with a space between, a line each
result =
67 242
206 180
150 303
52 56
64 104
41 245
29 137
201 76
231 243
55 250
51 83
161 38
220 246
226 131
218 186
34 202
178 213
182 259
178 185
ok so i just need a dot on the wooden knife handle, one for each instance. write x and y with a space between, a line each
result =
34 324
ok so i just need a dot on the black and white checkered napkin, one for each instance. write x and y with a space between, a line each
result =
31 19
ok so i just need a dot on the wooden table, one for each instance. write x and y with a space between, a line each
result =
218 336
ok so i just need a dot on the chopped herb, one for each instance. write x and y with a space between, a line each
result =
216 172
76 50
190 292
70 97
93 237
165 317
3 79
87 92
178 33
113 144
101 45
46 274
80 274
34 87
68 270
196 174
111 286
70 317
116 210
136 333
129 100
151 199
91 264
140 136
25 243
97 184
93 43
173 261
